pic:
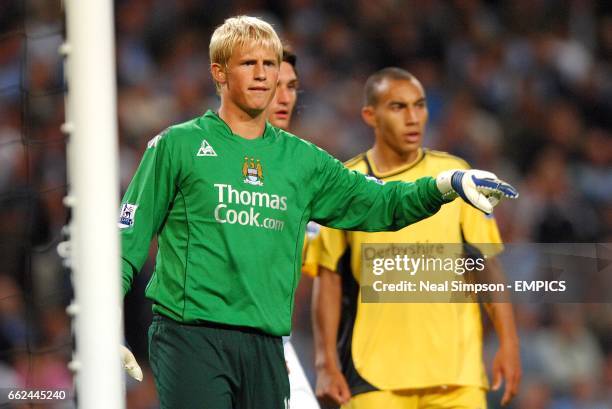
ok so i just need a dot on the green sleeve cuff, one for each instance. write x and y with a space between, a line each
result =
433 196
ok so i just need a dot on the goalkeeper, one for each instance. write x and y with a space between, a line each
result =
228 196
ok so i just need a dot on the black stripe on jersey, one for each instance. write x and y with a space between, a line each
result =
469 250
350 295
367 162
472 252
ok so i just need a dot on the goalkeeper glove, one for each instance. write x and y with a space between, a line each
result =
130 364
479 188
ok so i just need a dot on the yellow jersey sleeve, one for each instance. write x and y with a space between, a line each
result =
332 244
310 256
479 228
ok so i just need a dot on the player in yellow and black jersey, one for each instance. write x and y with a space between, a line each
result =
404 355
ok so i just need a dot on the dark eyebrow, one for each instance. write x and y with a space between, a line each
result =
400 103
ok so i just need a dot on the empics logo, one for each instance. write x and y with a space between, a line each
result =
126 217
252 172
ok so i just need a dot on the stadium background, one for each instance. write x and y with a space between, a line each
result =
523 88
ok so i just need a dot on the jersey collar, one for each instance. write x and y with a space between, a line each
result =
214 117
396 171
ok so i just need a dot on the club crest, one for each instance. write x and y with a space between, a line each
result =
252 172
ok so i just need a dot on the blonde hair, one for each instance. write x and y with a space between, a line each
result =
238 31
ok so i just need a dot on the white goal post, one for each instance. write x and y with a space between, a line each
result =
94 197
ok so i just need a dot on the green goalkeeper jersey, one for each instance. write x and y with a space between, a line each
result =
230 215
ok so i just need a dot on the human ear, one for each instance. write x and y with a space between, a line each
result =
367 114
218 73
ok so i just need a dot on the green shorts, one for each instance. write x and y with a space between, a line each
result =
216 366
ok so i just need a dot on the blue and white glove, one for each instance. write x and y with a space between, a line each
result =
479 188
130 364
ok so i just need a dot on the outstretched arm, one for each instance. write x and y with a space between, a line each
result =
351 201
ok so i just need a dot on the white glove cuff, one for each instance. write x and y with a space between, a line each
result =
443 183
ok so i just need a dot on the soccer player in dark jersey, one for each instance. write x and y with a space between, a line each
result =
228 196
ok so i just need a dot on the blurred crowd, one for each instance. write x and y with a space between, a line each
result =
523 88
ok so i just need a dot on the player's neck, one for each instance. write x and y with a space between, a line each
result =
386 159
242 123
